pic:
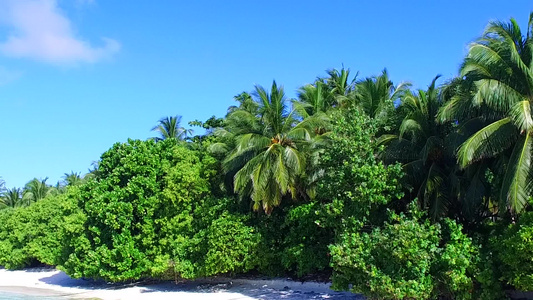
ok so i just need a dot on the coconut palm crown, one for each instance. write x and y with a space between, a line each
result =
11 197
169 127
498 72
268 141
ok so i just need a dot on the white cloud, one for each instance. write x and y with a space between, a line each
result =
42 32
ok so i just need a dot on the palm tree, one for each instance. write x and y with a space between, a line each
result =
72 179
313 99
376 95
268 156
169 128
2 186
11 197
36 190
339 83
246 103
421 147
498 74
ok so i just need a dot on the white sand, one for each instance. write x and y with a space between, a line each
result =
47 282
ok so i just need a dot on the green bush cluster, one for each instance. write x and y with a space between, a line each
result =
356 187
145 216
514 248
36 234
406 258
148 211
306 240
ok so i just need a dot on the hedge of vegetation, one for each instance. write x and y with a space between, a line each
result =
387 191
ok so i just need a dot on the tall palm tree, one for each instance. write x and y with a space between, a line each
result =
11 197
246 103
36 190
313 99
2 186
169 128
421 146
376 95
72 179
498 71
268 156
334 89
339 83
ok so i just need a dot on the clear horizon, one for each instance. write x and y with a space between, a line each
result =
78 76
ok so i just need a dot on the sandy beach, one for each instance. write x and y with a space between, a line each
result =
50 282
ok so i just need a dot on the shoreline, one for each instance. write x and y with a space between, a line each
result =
54 283
29 291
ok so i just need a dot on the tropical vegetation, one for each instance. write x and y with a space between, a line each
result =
386 190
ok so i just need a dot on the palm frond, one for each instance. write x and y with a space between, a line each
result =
516 180
475 191
488 141
435 193
496 94
520 113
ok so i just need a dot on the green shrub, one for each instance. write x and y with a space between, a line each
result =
356 186
353 190
489 286
306 240
34 234
456 262
270 248
138 212
406 258
515 251
392 262
13 239
219 242
231 244
150 213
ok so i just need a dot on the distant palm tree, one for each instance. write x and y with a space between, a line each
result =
169 128
92 171
313 99
36 190
339 83
2 185
246 103
72 179
11 197
376 95
325 93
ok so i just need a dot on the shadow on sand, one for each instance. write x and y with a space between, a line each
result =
249 288
257 289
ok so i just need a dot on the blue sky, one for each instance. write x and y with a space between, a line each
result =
77 76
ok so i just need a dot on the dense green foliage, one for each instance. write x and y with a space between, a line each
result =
142 212
36 234
515 252
406 258
388 191
355 186
306 240
393 262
